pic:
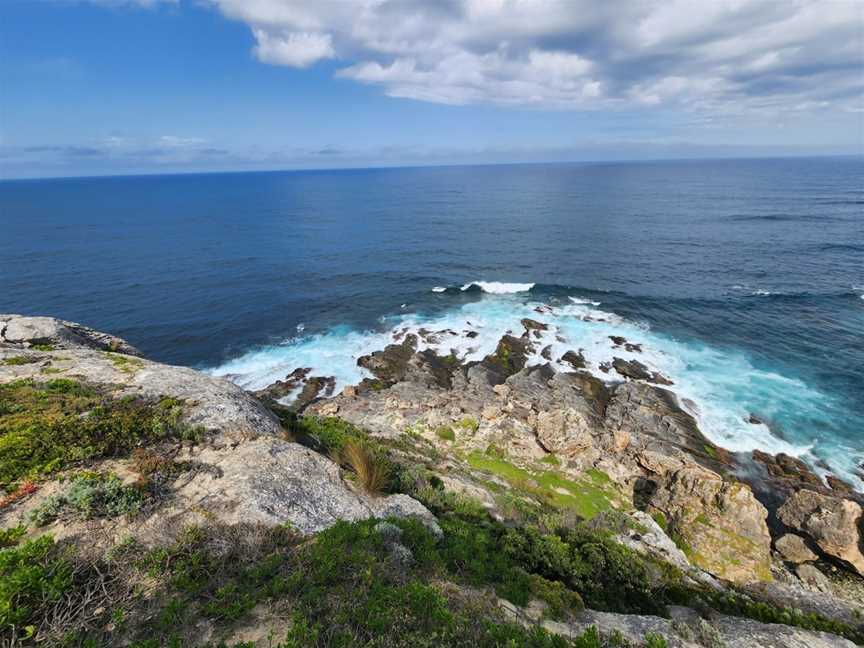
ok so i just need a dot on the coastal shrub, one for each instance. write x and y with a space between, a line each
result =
33 576
46 426
89 495
445 433
469 424
330 434
10 537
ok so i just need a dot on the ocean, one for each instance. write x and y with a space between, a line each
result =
743 280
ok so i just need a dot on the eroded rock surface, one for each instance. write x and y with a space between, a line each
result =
832 523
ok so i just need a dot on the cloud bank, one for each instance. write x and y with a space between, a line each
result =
714 56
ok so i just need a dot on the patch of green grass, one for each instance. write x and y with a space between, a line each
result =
19 360
46 426
125 363
660 519
89 495
446 433
551 459
710 451
50 370
42 347
587 496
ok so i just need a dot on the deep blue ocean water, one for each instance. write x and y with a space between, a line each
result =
743 278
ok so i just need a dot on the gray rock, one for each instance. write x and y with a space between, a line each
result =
813 578
793 549
23 331
274 481
728 632
653 541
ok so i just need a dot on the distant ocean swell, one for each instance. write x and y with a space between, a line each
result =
722 388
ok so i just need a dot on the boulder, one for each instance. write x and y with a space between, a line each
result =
274 481
793 549
635 370
831 523
22 331
564 431
651 539
511 356
813 578
574 359
315 387
390 364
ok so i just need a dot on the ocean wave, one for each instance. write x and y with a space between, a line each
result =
723 385
439 289
583 301
498 287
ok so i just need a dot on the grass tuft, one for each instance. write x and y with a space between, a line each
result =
372 470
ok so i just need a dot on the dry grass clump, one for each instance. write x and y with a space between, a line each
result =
372 470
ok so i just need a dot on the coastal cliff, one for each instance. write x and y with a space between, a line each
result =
437 502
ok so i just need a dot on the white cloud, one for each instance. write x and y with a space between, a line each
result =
295 49
710 55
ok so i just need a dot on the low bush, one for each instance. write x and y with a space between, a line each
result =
89 495
33 576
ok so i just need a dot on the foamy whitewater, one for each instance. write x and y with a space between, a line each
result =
720 387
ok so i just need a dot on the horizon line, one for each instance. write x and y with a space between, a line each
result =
385 167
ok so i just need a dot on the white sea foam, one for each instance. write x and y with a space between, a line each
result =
582 300
439 289
499 288
723 386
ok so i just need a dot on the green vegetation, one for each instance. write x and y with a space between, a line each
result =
469 424
42 347
32 577
587 496
88 495
125 363
47 426
445 433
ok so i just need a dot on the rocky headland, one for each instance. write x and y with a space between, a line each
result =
437 502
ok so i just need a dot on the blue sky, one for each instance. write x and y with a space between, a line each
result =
127 86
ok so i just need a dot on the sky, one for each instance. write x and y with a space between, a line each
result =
92 87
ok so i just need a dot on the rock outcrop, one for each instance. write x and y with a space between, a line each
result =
719 523
251 473
833 524
27 332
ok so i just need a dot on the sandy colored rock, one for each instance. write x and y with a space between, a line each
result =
793 548
832 523
720 524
